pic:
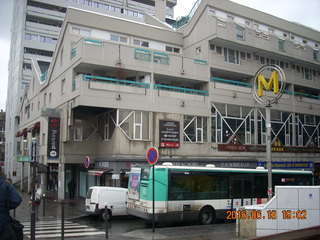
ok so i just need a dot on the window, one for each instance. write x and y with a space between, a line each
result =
63 85
243 55
140 43
281 45
262 60
114 38
240 33
123 39
50 97
198 50
134 124
172 49
195 129
248 55
316 55
26 66
231 56
219 50
40 52
44 99
307 74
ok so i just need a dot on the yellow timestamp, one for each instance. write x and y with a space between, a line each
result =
269 214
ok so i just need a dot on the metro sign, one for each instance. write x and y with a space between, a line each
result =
268 84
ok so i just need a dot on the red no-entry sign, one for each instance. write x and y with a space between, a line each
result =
152 155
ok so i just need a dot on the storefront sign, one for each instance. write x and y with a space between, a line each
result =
53 137
262 148
169 133
289 165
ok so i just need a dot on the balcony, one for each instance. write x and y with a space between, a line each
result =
32 26
45 13
226 35
95 51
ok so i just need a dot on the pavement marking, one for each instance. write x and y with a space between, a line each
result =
52 229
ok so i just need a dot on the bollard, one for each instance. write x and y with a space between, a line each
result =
62 220
107 221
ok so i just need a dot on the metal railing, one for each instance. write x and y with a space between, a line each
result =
116 81
181 89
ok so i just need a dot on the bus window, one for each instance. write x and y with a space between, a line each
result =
260 186
198 186
145 172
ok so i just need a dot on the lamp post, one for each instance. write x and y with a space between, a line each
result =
267 91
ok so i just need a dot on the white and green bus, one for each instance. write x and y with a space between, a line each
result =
185 193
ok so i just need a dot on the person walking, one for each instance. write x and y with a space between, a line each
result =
37 200
71 188
9 199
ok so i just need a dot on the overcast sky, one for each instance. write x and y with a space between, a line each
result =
306 12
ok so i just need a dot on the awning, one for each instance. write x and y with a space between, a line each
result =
98 172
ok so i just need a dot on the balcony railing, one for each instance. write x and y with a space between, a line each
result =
116 81
180 89
232 82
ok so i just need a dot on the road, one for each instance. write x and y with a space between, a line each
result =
128 228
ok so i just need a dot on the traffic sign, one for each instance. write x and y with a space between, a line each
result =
152 155
86 162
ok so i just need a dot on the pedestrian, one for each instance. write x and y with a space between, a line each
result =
9 199
37 200
71 188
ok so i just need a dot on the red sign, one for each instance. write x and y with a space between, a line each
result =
152 155
86 162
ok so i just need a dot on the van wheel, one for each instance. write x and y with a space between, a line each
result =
106 215
207 215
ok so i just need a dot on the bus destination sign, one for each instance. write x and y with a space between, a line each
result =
169 134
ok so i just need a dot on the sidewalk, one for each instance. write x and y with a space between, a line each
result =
52 208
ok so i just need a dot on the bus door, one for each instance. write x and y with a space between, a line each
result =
240 190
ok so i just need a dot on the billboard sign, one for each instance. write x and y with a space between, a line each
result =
53 137
169 134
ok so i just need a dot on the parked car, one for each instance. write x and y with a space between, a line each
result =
114 198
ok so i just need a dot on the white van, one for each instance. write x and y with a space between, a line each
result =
114 198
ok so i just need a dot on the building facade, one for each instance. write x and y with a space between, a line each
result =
35 29
2 136
116 87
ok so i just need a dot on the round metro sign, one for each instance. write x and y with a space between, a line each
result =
152 155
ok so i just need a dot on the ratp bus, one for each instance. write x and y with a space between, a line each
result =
184 193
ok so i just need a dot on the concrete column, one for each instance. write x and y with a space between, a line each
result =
160 8
61 181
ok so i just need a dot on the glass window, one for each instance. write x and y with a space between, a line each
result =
281 45
145 44
231 56
123 39
168 49
136 42
114 38
240 33
219 50
316 55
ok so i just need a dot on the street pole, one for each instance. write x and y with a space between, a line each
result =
33 198
153 224
268 149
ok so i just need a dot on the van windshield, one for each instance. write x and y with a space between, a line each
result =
89 193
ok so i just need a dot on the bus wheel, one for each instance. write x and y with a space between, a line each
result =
207 215
106 215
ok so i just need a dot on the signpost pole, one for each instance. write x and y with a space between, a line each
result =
268 150
153 176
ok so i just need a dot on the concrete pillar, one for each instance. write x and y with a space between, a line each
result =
160 8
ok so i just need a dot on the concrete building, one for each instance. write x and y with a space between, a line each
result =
2 136
116 87
35 30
